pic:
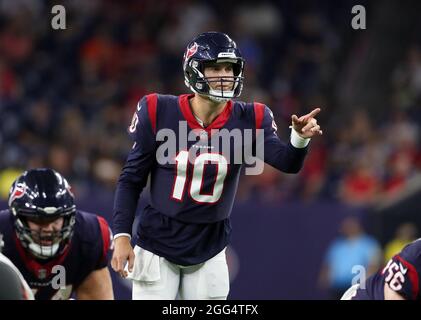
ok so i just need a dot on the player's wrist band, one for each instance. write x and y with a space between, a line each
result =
122 235
297 141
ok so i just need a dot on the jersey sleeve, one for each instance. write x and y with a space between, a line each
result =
401 274
280 155
134 175
142 128
106 244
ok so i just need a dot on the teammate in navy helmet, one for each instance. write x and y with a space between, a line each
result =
62 252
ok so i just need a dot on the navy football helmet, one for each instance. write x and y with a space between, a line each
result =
212 47
42 196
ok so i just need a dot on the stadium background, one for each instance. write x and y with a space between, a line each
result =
67 97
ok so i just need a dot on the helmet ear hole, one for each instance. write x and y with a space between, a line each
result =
238 69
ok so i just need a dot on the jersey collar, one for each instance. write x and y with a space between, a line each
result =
218 123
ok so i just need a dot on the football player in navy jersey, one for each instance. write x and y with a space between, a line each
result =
184 230
398 280
58 249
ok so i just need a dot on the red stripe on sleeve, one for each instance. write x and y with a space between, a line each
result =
105 232
259 112
151 101
413 276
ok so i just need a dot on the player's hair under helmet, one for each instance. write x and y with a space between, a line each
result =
212 47
42 196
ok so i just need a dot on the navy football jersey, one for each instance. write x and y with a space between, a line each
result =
88 251
401 273
187 218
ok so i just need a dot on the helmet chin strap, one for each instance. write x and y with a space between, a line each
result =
213 98
43 251
216 95
216 99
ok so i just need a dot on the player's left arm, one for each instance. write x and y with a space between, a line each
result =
96 286
286 157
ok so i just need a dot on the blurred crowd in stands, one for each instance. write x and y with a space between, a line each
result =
67 96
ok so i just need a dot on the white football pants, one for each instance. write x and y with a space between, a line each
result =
155 278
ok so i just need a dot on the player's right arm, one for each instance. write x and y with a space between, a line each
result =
132 180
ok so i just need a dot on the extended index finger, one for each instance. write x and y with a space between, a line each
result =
314 112
311 114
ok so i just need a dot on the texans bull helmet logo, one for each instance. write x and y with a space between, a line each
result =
18 192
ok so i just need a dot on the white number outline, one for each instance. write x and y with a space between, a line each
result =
196 180
395 275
